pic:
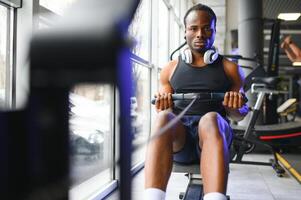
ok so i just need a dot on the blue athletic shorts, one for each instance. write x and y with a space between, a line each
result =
190 153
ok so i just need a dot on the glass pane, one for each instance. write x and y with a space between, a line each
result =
57 6
139 30
183 9
50 10
3 53
90 136
176 6
140 110
162 52
174 37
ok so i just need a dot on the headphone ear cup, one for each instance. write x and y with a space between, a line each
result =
210 56
183 57
187 56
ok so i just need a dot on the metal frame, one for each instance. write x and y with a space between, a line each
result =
262 91
11 4
14 59
108 189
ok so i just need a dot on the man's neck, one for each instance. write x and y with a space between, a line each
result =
198 59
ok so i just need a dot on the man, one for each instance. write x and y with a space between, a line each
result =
203 133
292 51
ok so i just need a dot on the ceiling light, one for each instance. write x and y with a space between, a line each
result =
289 16
296 63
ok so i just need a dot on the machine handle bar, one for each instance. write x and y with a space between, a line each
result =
207 96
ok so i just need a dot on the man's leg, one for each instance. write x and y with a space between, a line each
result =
158 164
215 155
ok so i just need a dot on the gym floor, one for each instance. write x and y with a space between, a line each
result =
246 182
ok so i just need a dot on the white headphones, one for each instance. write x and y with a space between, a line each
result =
209 56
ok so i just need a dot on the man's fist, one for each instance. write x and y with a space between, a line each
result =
163 101
233 100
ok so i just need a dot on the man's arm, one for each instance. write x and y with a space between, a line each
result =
233 102
163 97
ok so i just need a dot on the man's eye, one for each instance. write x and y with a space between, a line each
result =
207 29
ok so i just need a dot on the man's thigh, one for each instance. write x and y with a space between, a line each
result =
222 126
177 133
189 151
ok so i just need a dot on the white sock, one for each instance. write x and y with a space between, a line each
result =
154 194
214 196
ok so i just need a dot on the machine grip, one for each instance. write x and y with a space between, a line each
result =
208 96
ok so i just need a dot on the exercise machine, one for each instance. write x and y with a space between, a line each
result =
194 189
273 136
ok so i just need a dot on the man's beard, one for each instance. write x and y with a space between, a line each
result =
201 50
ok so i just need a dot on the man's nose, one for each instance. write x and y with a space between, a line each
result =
200 34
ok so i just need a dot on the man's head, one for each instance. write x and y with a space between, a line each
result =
200 23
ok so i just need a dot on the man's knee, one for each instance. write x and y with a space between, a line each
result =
208 126
162 119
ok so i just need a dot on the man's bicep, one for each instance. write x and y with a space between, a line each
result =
165 86
238 79
242 79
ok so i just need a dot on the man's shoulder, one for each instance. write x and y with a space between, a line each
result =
170 66
172 63
231 68
168 69
229 63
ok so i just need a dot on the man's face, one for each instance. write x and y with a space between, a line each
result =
200 31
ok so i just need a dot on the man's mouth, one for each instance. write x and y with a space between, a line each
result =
200 42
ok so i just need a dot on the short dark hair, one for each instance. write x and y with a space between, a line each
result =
201 7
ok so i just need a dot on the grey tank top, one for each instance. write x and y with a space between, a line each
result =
210 78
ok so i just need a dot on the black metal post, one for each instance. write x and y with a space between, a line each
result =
125 137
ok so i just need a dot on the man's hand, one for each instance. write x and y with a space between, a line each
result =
287 40
163 101
235 105
233 100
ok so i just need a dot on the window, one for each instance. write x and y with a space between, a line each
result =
3 53
90 138
176 5
140 110
90 124
174 35
139 30
6 24
56 6
140 101
53 9
162 48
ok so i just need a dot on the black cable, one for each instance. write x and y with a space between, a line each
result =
167 126
177 49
